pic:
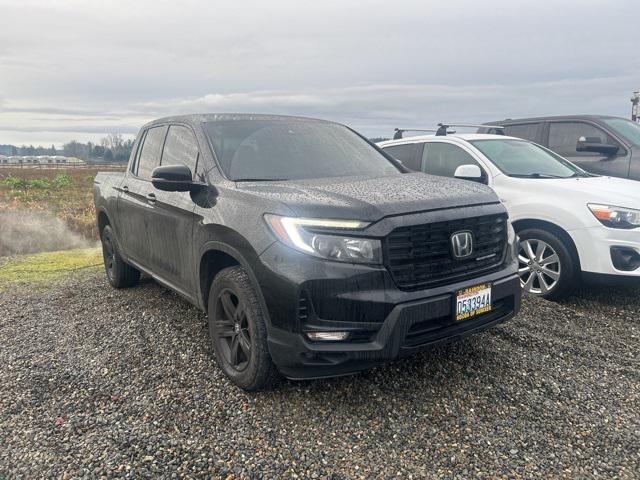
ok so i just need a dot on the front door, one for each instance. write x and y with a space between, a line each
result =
443 159
563 139
170 230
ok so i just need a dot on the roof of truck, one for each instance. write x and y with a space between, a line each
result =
218 117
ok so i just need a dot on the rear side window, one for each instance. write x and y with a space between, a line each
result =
180 148
150 153
528 131
406 154
443 159
563 137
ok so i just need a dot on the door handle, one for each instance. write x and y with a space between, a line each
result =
151 197
125 189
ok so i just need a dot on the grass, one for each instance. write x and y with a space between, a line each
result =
43 268
66 193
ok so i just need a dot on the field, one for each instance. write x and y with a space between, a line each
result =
46 209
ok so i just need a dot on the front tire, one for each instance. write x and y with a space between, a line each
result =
119 274
238 330
546 266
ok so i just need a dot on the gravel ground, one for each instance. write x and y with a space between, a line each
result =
96 382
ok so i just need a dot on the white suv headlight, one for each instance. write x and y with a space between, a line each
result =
305 235
616 217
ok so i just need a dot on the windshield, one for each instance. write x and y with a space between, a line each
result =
628 129
288 149
519 158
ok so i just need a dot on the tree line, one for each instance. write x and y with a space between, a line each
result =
112 148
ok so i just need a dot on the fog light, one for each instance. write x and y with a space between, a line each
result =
625 259
328 336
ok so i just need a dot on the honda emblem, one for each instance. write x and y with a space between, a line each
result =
462 244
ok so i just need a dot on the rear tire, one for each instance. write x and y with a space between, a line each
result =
546 264
238 331
119 273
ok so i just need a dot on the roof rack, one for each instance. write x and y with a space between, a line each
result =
443 127
400 131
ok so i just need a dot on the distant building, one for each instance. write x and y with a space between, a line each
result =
40 160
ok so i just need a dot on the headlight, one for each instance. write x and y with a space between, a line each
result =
616 217
304 234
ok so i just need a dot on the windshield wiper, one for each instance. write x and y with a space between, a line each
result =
260 179
534 175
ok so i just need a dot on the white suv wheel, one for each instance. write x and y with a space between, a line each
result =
538 266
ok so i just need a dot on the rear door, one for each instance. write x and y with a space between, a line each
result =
170 231
136 202
528 131
563 138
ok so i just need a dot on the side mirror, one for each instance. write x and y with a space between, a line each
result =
594 144
469 172
173 178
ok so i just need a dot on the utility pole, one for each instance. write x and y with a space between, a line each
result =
635 106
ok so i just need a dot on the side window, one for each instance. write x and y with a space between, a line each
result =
136 160
564 136
528 131
180 148
443 159
406 154
150 153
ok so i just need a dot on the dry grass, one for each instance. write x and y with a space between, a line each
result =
72 203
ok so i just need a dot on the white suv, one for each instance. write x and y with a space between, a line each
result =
571 224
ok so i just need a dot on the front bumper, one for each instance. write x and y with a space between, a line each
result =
595 245
386 323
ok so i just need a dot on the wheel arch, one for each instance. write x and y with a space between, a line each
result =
103 220
216 256
525 223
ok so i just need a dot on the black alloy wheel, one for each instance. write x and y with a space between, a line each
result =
108 254
233 330
238 330
119 273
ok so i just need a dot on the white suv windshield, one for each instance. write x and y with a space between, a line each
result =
519 158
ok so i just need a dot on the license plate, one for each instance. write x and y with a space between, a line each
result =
473 301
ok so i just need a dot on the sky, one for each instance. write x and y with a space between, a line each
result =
79 69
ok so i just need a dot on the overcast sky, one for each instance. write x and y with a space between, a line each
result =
80 69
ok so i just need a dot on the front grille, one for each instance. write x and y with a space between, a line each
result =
419 256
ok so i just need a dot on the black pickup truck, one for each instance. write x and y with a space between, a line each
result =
312 251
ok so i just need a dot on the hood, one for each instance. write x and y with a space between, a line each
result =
618 192
371 198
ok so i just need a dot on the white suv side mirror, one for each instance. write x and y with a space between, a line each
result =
468 172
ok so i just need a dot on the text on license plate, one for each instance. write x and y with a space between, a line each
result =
473 301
